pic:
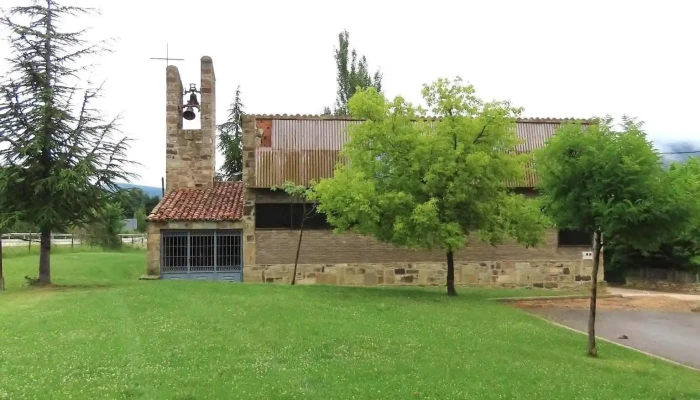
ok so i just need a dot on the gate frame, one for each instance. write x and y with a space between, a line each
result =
189 275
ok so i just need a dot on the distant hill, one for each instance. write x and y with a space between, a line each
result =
149 190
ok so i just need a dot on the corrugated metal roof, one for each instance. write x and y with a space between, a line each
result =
316 117
273 167
310 134
306 147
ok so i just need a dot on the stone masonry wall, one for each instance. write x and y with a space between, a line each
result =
190 153
543 274
153 237
662 285
349 259
251 140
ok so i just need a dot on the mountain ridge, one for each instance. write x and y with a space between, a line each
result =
149 190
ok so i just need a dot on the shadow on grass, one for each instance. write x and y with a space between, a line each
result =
24 251
66 287
414 293
71 286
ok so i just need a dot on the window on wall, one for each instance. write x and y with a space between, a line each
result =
570 237
287 216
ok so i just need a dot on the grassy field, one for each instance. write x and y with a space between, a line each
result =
112 336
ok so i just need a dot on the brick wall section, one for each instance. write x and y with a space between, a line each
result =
190 154
324 247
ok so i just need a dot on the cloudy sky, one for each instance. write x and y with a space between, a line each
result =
554 58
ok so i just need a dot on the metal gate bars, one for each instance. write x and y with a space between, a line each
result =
202 254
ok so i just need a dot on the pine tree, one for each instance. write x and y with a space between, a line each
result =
60 160
230 139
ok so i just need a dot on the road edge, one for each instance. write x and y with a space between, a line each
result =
616 343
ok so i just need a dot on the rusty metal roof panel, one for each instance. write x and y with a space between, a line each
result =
275 166
534 136
310 134
308 147
329 134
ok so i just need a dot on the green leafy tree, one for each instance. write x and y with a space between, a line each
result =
133 200
352 74
302 194
610 182
230 139
151 203
681 252
430 184
107 226
130 200
60 157
141 219
6 221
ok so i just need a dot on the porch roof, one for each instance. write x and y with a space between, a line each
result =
222 202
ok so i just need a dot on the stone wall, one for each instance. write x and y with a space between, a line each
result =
153 237
543 274
663 279
349 259
250 141
190 153
663 285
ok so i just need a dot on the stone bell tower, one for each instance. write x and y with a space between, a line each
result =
190 153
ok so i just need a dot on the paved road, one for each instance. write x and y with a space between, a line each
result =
672 335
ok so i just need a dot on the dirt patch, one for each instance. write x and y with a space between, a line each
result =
57 287
658 303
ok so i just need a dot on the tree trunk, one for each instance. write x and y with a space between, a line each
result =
296 259
45 257
2 277
592 349
301 234
451 291
45 158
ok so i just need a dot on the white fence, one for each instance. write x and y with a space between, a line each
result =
17 239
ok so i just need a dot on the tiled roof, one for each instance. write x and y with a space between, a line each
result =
348 118
223 202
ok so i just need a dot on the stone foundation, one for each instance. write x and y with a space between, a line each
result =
663 285
537 274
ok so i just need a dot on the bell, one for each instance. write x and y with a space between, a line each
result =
193 101
188 114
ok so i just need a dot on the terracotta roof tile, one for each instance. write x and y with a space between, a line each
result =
223 202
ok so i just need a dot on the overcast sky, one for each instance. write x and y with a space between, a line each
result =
554 58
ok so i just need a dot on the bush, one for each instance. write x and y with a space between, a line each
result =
105 231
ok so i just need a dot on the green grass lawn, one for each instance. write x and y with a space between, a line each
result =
113 336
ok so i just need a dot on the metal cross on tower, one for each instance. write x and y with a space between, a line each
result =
167 57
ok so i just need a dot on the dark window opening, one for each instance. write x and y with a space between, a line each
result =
570 237
288 216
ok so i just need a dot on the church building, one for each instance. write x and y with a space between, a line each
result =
242 231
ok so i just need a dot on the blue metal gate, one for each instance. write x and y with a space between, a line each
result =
202 255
